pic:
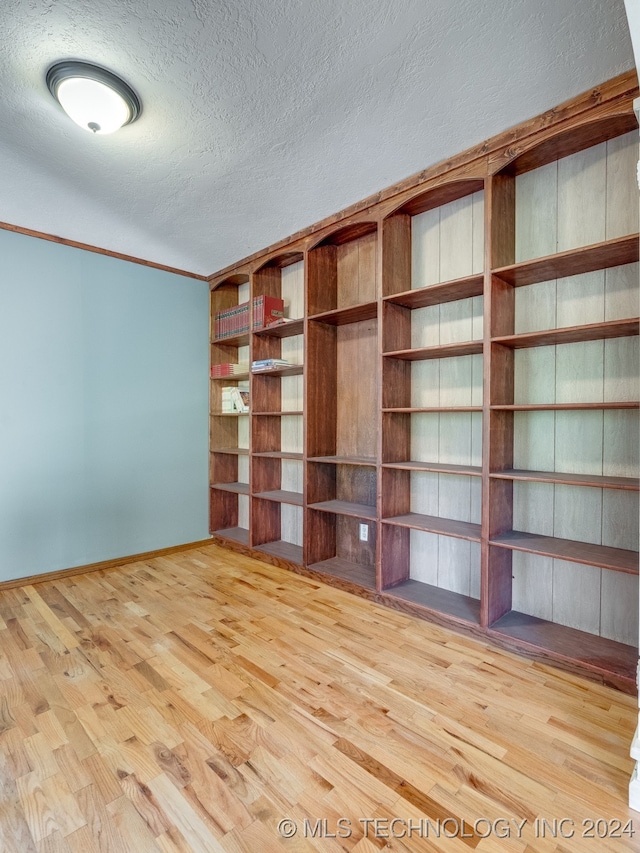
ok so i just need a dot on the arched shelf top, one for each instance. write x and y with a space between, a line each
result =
439 195
569 142
347 234
280 261
231 281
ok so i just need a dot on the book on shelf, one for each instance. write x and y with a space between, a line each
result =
234 400
229 369
264 364
231 322
266 310
234 321
240 398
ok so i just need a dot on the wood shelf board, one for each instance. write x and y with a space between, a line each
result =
236 534
294 370
281 496
570 141
234 377
441 194
460 607
345 460
346 508
443 351
435 524
278 454
595 480
435 467
229 414
542 407
276 414
241 340
431 409
235 451
597 654
437 294
289 329
610 253
344 316
238 488
585 553
282 550
364 576
572 334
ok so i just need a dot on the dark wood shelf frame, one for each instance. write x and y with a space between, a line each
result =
435 467
586 553
358 418
434 524
408 410
241 340
438 601
288 329
235 534
282 550
438 294
280 496
346 316
293 370
562 478
277 454
572 334
345 570
559 407
237 488
346 508
442 351
366 461
607 660
610 253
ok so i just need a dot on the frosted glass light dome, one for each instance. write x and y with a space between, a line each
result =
94 98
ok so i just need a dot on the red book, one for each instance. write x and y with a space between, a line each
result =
266 310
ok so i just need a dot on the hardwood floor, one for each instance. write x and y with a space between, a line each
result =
190 703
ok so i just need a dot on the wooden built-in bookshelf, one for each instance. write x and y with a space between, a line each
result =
457 435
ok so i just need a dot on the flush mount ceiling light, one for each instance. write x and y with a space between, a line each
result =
93 97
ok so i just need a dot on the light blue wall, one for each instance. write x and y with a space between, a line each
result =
103 407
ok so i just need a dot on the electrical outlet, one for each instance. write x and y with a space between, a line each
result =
364 532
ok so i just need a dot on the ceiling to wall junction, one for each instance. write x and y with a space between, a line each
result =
260 119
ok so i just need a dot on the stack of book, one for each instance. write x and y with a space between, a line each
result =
265 364
234 321
228 369
266 310
234 400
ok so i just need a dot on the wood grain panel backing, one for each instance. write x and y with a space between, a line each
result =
291 529
445 562
447 242
582 199
292 290
619 607
357 389
356 271
348 544
321 389
396 254
244 519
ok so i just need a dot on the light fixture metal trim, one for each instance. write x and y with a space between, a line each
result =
70 69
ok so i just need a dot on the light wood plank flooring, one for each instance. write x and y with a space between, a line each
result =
190 703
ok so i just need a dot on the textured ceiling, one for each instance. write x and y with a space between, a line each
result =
260 118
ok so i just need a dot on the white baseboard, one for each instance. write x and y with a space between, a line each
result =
634 790
635 746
